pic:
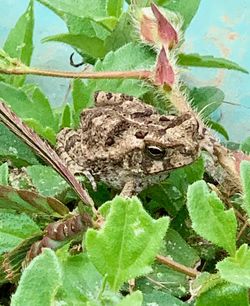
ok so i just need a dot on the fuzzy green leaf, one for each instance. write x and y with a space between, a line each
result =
19 43
237 269
207 99
187 9
205 207
14 228
80 280
223 294
209 61
245 178
46 180
125 247
43 271
13 149
4 174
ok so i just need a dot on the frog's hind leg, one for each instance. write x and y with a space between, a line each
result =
67 147
68 141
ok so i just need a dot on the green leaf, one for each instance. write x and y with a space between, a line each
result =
30 202
205 207
129 57
177 248
170 282
161 299
114 7
43 271
19 43
94 8
4 174
46 132
187 9
13 149
236 269
14 228
197 60
46 180
122 34
92 46
171 193
80 94
32 107
245 179
223 294
66 118
206 99
80 280
218 128
245 145
86 26
134 299
42 104
125 247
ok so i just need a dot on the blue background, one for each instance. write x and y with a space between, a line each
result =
220 28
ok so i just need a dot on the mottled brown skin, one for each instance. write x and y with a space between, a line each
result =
127 144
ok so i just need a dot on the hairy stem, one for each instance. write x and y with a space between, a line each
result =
140 74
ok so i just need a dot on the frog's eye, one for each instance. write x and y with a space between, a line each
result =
154 152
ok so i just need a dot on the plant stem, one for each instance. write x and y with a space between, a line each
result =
140 74
177 266
245 225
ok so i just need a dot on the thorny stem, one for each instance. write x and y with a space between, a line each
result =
177 266
140 74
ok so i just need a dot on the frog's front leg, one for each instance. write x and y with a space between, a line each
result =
129 189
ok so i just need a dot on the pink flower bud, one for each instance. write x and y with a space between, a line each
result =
164 72
166 31
156 29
